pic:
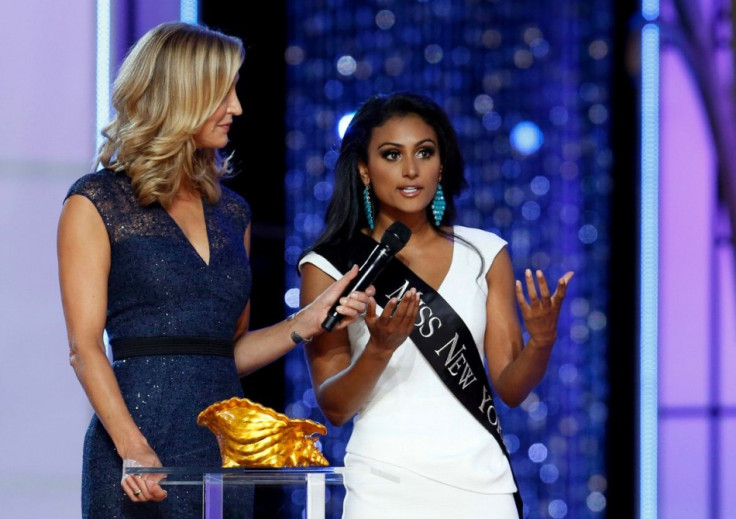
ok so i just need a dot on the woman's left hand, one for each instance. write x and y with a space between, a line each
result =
350 307
542 310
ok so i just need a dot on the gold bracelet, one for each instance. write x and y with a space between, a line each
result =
296 336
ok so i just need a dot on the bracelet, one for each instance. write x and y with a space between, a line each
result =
296 336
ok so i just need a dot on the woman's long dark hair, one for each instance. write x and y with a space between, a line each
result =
345 215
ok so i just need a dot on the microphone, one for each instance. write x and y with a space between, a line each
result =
392 241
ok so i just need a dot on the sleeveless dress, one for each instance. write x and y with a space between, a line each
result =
422 454
159 286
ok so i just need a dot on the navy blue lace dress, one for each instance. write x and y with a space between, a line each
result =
159 286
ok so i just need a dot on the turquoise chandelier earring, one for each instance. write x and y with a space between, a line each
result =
368 206
438 205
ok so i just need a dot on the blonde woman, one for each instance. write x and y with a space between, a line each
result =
153 250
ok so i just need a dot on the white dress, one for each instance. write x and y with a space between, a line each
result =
418 446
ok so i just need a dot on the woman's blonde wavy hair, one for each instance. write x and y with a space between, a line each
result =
170 82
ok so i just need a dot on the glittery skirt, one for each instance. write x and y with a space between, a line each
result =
164 394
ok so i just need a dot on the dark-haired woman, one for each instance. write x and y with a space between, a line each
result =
419 372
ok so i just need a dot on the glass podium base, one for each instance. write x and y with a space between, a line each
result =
213 480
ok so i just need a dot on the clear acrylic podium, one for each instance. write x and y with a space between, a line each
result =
214 479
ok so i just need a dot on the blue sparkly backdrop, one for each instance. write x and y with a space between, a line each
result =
527 86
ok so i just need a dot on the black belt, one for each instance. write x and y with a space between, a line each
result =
143 346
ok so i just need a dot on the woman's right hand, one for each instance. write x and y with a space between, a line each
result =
390 329
142 487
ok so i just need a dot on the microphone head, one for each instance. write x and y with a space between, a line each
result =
396 237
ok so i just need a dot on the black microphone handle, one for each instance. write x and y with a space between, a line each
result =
366 275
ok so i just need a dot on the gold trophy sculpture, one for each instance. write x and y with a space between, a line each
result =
252 435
